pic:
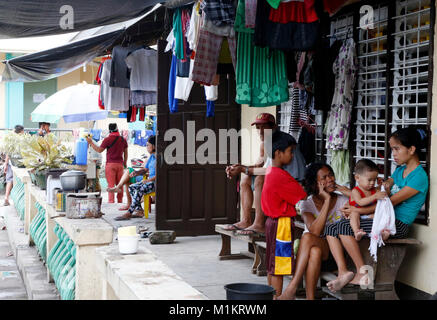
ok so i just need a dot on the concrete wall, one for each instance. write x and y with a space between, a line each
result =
419 269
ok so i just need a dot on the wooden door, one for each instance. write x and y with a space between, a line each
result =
192 198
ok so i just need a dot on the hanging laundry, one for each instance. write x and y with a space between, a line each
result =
324 79
142 115
338 124
210 108
193 28
290 112
250 13
172 101
207 55
142 98
99 82
119 76
340 165
220 12
143 65
116 99
300 35
178 35
255 84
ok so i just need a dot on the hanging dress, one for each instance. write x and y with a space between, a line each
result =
261 73
338 124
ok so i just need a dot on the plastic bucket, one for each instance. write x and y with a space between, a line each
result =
249 291
128 244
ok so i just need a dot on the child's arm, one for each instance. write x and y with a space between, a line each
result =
347 210
365 201
344 190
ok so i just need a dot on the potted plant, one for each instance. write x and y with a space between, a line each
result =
11 144
41 154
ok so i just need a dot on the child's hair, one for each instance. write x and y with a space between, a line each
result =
310 182
152 140
281 141
411 136
365 165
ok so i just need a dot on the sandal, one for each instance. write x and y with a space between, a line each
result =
123 217
138 214
6 203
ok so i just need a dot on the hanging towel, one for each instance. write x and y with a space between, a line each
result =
384 219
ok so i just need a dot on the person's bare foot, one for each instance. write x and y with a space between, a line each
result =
385 234
287 295
114 189
359 234
340 282
360 278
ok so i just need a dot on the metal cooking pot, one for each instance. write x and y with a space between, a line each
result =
73 180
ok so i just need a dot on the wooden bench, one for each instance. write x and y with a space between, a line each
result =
226 254
386 268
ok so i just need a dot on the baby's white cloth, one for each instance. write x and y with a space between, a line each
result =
384 219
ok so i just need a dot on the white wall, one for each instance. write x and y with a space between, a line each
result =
419 269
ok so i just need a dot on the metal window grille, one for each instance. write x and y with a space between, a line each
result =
393 81
371 91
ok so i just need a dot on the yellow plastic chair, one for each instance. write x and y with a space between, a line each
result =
146 199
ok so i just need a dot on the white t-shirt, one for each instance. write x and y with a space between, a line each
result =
144 69
333 216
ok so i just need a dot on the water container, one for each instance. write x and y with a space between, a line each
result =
81 151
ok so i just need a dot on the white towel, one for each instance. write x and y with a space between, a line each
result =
384 219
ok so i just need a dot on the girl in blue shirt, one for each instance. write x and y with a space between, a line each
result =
408 188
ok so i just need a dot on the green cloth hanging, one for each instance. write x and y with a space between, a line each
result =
177 32
340 165
261 73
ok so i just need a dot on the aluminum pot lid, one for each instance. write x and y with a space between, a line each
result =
73 173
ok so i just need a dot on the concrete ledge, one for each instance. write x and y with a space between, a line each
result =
140 276
30 265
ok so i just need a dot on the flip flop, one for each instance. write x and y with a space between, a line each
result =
123 217
232 227
138 215
250 232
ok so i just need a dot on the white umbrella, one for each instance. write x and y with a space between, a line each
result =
73 104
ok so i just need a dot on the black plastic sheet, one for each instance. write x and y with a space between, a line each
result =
58 61
28 18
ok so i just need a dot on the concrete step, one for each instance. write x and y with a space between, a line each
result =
30 265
